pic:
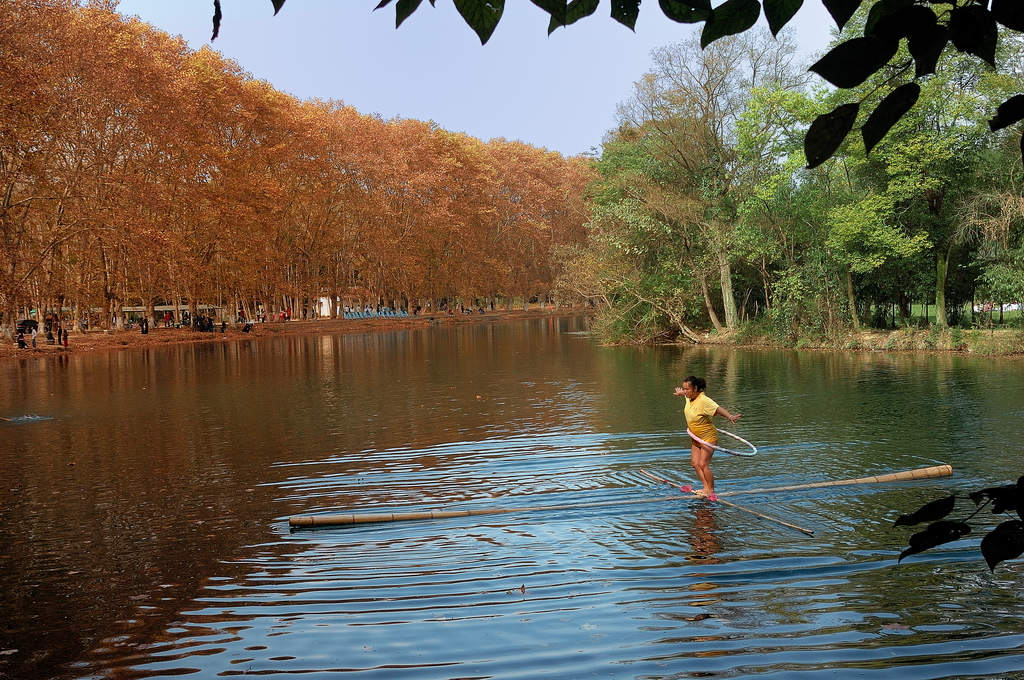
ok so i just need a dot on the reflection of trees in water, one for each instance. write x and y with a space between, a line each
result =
117 514
119 511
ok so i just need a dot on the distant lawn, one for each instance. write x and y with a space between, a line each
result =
981 319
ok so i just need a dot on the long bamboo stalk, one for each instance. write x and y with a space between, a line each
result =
346 518
365 518
753 512
905 476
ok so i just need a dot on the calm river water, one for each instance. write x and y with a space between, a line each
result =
144 523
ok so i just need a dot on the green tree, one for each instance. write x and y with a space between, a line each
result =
993 218
909 189
641 255
687 108
784 220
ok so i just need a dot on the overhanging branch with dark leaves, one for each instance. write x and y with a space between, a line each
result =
929 27
1004 542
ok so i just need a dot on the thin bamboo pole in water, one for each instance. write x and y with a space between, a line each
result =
365 518
751 511
346 518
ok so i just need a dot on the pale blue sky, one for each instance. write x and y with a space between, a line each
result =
557 91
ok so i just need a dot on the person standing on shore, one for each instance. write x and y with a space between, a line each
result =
699 411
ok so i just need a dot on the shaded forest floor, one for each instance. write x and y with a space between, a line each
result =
100 340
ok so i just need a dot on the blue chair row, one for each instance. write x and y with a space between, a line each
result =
374 314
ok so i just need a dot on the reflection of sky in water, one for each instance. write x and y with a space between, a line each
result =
145 526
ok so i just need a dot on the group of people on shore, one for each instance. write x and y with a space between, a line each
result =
27 332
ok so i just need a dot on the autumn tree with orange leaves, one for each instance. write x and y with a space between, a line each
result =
136 172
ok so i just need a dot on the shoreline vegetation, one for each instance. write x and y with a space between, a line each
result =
114 339
996 342
1001 342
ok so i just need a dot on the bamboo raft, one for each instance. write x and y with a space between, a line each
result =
346 518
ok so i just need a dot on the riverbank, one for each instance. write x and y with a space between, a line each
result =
100 340
981 342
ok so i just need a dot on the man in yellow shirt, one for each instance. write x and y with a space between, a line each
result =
699 411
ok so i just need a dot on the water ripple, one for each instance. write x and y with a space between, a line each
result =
667 589
145 528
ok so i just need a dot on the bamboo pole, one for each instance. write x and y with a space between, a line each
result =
346 518
753 512
905 476
365 518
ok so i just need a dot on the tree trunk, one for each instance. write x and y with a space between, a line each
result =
941 270
728 299
707 303
852 299
767 290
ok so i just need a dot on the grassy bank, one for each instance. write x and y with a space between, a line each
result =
981 342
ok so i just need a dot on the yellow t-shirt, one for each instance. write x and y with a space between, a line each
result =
699 412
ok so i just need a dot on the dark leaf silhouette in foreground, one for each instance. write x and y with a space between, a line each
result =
850 63
888 112
926 47
779 12
1004 498
930 512
1009 13
1009 112
974 31
686 11
730 18
1005 542
827 132
483 17
930 27
937 533
841 10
